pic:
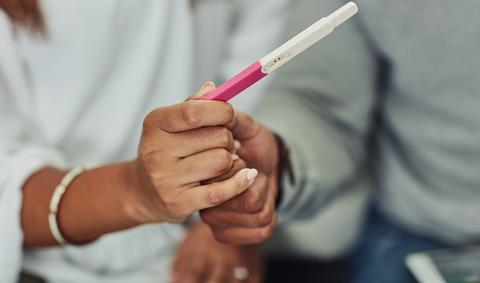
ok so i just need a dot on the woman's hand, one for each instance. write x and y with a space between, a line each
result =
201 259
181 146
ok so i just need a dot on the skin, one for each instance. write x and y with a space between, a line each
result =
247 219
202 259
251 217
181 146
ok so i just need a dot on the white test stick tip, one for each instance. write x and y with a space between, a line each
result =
343 14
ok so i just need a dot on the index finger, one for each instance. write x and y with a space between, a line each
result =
192 114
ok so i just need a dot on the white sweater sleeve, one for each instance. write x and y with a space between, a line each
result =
22 152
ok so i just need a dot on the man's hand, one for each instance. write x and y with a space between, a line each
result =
251 217
200 258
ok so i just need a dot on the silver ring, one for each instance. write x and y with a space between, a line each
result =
241 273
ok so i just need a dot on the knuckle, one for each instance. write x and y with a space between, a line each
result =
264 218
249 120
190 114
147 155
230 112
221 160
265 233
219 234
251 126
225 138
174 208
149 120
158 181
170 204
152 168
253 202
215 197
152 173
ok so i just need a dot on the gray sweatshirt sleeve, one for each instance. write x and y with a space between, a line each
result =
320 104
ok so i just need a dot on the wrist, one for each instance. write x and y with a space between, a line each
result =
97 203
284 167
140 196
37 192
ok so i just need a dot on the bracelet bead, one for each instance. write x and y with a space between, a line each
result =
55 201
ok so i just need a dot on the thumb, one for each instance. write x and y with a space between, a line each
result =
214 194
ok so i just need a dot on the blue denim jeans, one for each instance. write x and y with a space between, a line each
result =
380 255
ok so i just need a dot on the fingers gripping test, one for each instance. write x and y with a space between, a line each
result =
283 54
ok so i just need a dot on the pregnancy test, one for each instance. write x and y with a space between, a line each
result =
282 55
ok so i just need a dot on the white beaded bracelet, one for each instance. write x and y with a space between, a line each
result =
55 200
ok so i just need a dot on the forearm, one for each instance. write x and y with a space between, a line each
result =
97 202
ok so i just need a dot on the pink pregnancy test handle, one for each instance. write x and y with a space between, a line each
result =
237 84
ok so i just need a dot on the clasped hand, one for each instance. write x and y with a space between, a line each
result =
193 156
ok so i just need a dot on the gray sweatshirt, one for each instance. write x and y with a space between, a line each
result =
405 75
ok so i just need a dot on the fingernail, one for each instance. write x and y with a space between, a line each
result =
208 84
250 175
237 145
235 157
